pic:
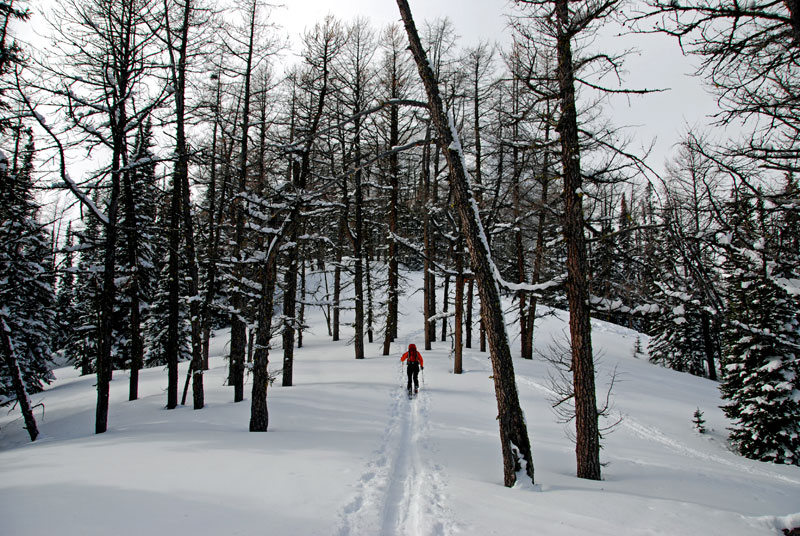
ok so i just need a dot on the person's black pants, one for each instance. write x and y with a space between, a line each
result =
413 374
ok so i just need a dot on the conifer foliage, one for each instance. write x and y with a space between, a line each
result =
761 357
26 292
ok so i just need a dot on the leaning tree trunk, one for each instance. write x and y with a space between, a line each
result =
513 430
16 379
587 444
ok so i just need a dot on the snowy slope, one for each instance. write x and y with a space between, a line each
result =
348 454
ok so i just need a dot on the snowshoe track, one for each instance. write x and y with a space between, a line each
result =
401 492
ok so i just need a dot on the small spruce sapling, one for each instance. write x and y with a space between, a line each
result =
638 351
699 422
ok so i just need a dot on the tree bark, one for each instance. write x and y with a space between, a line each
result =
587 447
513 430
468 316
301 314
259 413
16 379
459 311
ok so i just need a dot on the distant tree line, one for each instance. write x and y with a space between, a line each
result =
231 188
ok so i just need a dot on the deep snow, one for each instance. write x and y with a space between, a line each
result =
349 454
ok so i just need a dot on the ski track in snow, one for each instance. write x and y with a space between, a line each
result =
651 433
402 491
654 434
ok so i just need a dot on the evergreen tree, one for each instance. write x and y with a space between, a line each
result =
676 331
761 337
139 197
10 54
157 323
67 307
685 279
677 340
26 289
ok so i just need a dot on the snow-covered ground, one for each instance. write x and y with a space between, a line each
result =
349 454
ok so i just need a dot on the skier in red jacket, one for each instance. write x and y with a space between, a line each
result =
415 364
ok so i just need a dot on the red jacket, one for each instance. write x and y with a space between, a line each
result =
412 355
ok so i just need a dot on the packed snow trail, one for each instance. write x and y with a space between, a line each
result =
401 491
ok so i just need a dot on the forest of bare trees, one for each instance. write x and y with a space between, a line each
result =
211 181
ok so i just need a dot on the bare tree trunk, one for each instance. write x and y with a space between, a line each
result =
301 314
107 299
429 280
459 310
213 231
708 346
519 245
173 321
16 379
513 430
259 413
132 251
446 300
538 258
587 447
289 310
370 307
394 183
238 324
482 329
337 272
182 176
358 242
468 316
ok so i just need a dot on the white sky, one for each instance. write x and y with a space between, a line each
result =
473 19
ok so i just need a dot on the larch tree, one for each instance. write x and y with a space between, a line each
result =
246 46
393 84
356 91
